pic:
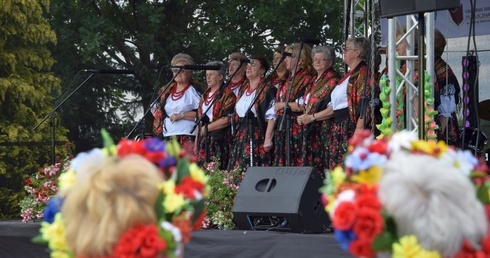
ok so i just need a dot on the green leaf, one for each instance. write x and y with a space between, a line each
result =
159 209
39 240
383 242
198 208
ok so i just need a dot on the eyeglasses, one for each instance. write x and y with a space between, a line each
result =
320 59
345 49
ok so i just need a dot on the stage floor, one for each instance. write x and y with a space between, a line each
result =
15 241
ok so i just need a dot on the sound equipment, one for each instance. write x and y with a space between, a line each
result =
392 8
474 140
281 198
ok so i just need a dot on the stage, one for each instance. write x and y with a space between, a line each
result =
15 241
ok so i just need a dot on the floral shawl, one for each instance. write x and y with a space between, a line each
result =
355 92
320 90
303 78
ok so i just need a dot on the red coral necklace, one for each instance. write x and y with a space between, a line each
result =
209 97
178 95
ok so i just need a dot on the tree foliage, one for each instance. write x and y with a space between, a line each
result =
145 35
26 87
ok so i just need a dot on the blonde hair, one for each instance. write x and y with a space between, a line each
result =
184 58
119 195
307 63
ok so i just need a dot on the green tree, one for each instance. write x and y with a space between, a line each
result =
26 87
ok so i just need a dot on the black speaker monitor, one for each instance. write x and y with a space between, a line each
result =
392 8
281 198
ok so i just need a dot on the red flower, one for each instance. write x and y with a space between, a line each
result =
345 215
485 242
369 224
155 156
368 201
467 251
198 223
188 187
361 248
380 147
126 147
140 241
185 227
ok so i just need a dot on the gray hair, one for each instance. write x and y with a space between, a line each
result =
222 69
181 57
362 44
431 199
328 51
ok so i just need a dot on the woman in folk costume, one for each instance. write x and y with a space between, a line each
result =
301 70
175 111
237 83
260 119
281 74
217 135
317 127
346 105
446 94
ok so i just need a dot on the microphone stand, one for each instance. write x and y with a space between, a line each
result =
205 119
51 114
286 113
141 123
249 113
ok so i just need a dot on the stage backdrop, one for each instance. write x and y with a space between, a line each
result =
455 23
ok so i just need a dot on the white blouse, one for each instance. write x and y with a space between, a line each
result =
188 102
339 96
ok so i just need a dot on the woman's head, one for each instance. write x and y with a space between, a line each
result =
439 43
356 50
258 68
305 61
402 46
234 62
182 59
114 197
214 78
277 57
323 58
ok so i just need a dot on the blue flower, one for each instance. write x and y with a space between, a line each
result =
53 207
168 162
154 145
344 237
362 159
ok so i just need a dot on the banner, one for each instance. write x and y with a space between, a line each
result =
454 23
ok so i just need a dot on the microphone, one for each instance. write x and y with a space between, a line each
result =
309 41
109 71
292 55
245 60
197 67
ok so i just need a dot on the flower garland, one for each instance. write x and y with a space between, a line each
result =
179 207
430 113
350 195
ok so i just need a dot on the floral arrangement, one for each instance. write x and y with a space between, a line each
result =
224 187
43 186
430 113
179 207
350 195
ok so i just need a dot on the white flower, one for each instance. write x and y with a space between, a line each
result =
167 226
87 162
462 160
401 140
344 196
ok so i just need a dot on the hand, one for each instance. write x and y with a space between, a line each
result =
202 132
301 119
279 106
176 117
268 145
